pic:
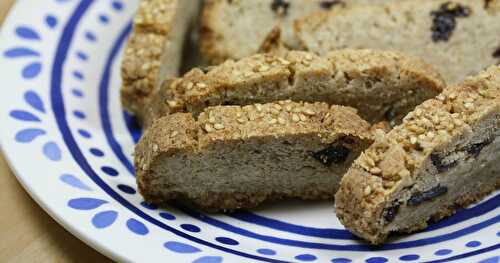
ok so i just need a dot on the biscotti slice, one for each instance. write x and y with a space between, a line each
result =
154 49
235 157
459 37
445 155
382 85
236 29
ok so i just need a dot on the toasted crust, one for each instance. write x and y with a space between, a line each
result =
180 134
397 159
374 82
463 49
153 24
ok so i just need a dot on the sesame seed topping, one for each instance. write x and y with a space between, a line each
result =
201 85
302 117
173 134
295 118
272 121
368 190
208 128
219 126
375 170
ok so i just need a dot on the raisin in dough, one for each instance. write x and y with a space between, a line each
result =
445 155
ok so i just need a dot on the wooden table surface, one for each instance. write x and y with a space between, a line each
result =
28 234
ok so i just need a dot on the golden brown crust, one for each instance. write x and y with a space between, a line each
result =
395 159
364 79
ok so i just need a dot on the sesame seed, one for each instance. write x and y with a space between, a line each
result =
295 118
241 120
189 85
174 133
281 121
288 108
264 68
302 117
370 161
272 121
469 105
375 170
201 85
211 120
208 128
258 107
309 111
171 103
277 106
155 147
218 126
413 140
368 190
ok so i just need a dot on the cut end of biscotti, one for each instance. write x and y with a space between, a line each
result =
458 37
382 85
443 156
234 157
154 49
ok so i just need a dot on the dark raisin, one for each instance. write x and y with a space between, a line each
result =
438 162
496 53
487 3
334 154
476 148
390 113
328 4
207 69
444 20
280 6
390 213
420 197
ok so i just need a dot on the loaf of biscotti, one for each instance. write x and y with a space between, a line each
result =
443 156
232 157
237 29
382 85
458 37
154 49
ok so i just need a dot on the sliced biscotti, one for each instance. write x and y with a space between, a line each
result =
459 37
237 29
445 155
234 157
382 85
154 49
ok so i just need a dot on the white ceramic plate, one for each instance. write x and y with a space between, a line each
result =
67 139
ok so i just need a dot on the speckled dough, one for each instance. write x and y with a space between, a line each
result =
236 29
458 37
234 157
445 155
382 85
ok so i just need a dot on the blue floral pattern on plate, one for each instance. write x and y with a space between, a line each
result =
111 202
